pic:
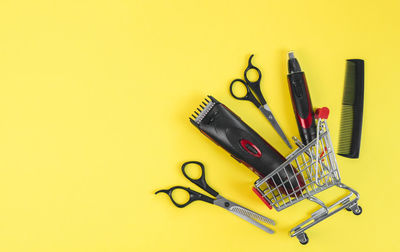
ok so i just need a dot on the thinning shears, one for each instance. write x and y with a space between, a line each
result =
255 96
232 207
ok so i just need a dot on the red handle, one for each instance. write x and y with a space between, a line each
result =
261 197
322 113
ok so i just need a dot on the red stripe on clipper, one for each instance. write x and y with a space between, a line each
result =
255 150
305 123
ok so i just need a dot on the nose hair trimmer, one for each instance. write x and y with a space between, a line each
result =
301 101
227 130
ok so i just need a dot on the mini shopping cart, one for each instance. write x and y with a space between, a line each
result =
315 169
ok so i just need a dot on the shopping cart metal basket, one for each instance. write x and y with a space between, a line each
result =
315 169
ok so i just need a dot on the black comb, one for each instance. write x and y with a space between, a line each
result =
352 110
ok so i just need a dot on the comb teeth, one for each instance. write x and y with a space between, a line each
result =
203 112
349 91
346 129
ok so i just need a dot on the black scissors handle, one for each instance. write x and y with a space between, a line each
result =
254 85
193 196
200 182
248 96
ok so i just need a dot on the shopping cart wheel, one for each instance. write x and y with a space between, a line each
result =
303 238
357 211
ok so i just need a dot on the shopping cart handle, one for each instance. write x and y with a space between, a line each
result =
261 197
322 113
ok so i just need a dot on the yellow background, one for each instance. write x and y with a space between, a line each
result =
94 104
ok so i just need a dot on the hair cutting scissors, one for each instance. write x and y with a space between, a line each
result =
232 207
255 96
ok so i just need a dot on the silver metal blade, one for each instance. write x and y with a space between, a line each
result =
255 223
268 114
244 213
251 214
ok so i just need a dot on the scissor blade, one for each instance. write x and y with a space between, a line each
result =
255 223
268 114
244 213
251 214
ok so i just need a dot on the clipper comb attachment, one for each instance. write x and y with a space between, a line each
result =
208 105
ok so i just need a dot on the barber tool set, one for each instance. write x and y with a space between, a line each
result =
283 181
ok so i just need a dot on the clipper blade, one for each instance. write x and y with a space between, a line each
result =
209 104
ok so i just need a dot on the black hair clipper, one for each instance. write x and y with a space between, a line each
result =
227 130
